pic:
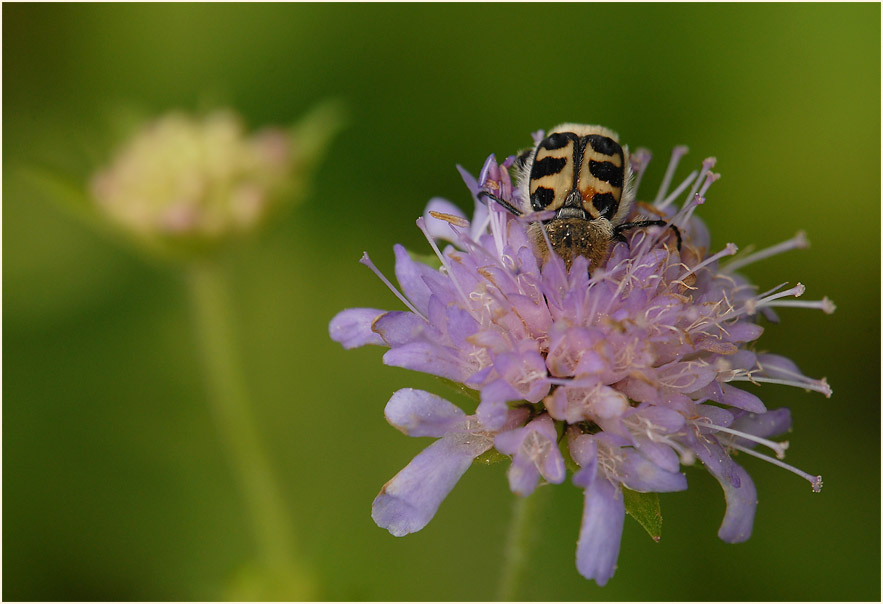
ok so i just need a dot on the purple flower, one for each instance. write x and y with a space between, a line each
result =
643 365
409 501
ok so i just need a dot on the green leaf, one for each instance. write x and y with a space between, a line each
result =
60 189
644 507
315 131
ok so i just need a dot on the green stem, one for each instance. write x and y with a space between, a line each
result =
518 545
233 415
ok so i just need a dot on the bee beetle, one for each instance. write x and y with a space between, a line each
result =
581 173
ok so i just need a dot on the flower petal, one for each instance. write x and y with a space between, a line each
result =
535 453
428 358
397 328
739 491
409 274
421 413
352 327
601 531
765 425
741 504
640 474
408 502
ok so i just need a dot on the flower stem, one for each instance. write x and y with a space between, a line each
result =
233 415
518 544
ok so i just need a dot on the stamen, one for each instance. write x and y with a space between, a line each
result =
421 224
815 481
779 448
710 177
676 156
729 250
573 382
824 304
799 241
677 192
807 383
688 458
639 160
795 291
367 262
751 306
497 224
484 225
707 165
450 218
694 200
773 289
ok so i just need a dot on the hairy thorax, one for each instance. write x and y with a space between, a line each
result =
572 237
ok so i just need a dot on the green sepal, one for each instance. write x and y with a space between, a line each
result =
644 507
490 457
469 393
564 448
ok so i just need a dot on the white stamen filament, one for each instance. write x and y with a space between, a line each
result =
779 448
752 306
676 156
795 291
421 224
729 250
799 241
498 228
710 177
688 458
367 262
483 227
707 165
771 290
815 481
824 304
677 192
806 383
639 160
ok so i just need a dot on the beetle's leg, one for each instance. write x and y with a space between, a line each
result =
617 231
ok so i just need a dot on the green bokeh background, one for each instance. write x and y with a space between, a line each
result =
115 484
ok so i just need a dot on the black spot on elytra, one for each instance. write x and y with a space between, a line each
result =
606 204
541 198
606 171
547 166
555 141
604 144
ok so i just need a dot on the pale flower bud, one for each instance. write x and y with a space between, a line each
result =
186 184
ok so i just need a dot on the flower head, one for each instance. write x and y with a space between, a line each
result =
624 373
185 184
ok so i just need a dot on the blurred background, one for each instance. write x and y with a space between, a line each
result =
115 482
